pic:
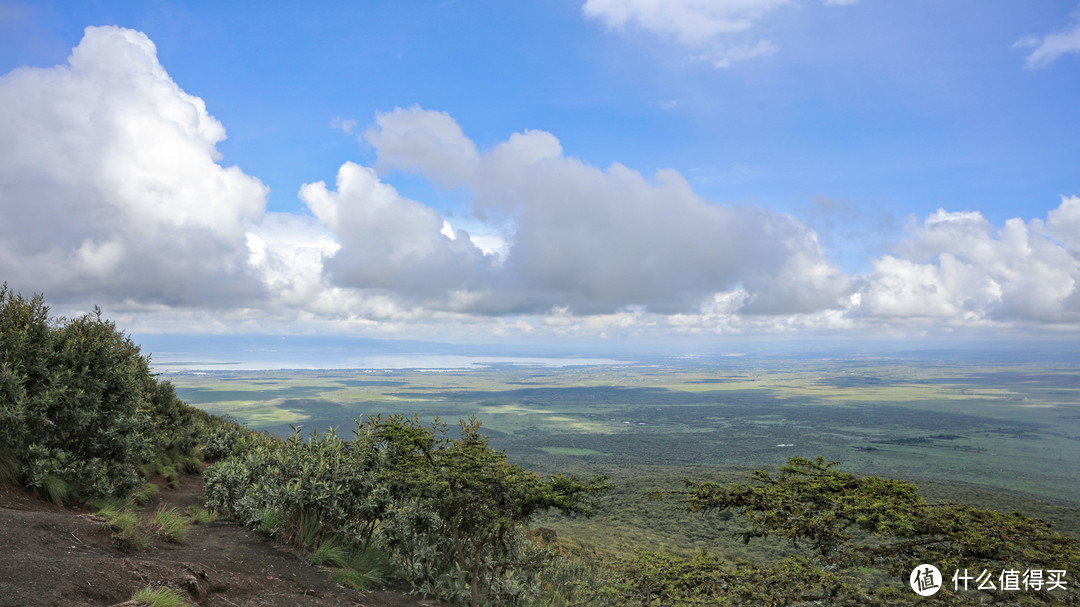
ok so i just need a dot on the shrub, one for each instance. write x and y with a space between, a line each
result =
853 528
26 346
72 398
78 403
460 510
284 485
224 437
450 511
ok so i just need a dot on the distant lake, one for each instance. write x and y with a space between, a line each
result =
435 362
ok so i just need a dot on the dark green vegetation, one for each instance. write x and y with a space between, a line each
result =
855 526
80 410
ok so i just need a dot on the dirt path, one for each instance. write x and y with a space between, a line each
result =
54 556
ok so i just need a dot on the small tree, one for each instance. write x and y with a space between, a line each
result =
461 507
845 522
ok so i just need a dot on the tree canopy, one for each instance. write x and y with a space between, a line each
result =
848 525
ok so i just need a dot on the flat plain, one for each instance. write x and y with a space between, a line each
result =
997 433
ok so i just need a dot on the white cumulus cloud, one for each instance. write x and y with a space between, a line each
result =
590 248
959 266
427 142
390 244
590 241
110 183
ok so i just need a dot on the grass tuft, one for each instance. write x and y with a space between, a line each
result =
168 466
373 566
126 532
55 489
308 531
159 597
145 493
363 570
10 468
191 463
171 475
351 578
170 524
120 517
199 515
330 553
269 521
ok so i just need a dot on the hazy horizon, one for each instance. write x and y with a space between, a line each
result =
177 353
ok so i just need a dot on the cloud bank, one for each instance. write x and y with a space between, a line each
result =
597 241
113 192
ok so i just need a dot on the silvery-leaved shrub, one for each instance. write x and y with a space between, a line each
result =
448 509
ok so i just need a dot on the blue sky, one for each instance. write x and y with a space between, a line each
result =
622 168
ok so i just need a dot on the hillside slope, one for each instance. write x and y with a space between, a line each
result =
63 557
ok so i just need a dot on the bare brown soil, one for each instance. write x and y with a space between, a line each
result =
56 556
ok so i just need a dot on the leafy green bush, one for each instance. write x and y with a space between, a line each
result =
26 349
79 404
460 510
320 480
855 539
223 437
449 510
